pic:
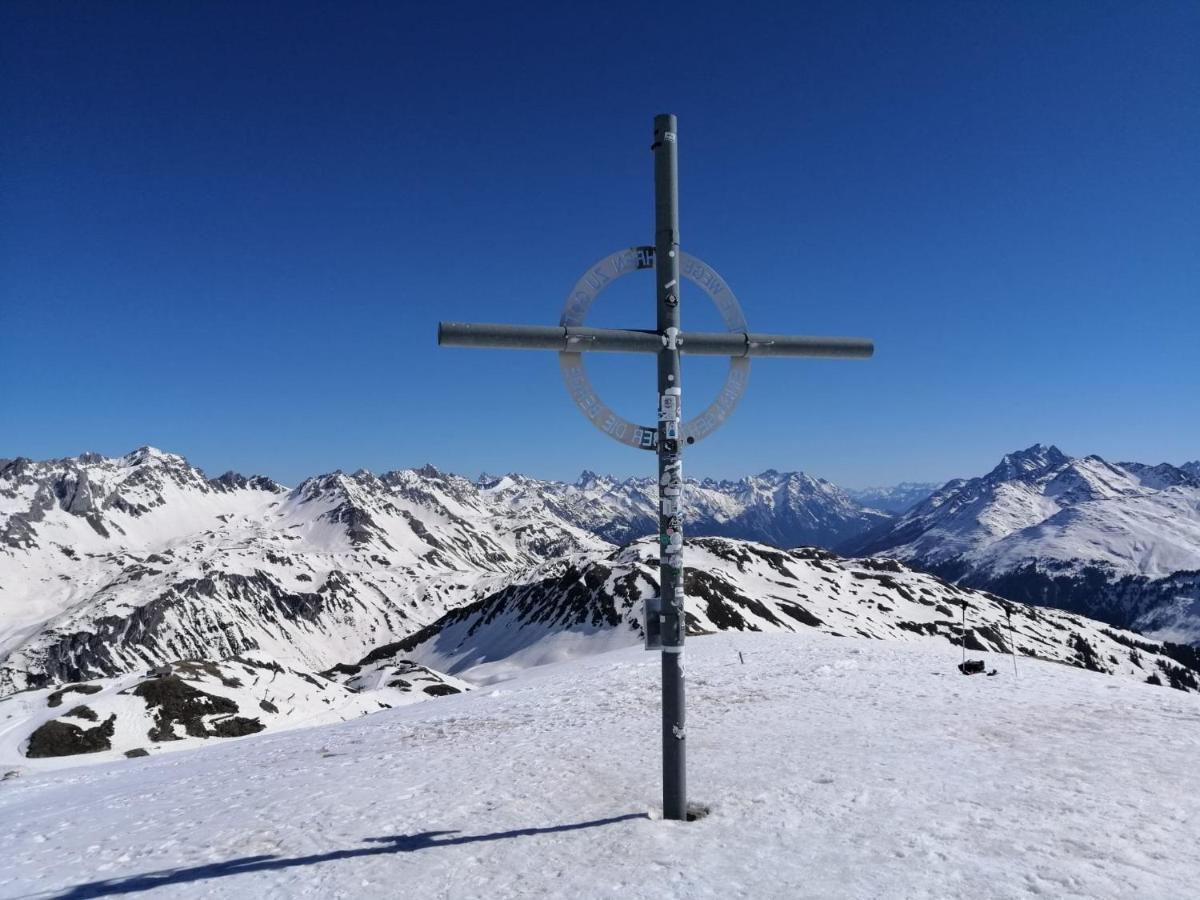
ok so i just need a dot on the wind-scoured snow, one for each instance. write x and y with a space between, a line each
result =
831 767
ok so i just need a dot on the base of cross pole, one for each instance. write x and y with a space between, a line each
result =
675 805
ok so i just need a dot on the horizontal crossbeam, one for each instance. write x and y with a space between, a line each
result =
614 340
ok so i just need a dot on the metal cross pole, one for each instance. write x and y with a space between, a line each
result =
664 616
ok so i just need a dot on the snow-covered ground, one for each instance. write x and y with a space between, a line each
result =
834 767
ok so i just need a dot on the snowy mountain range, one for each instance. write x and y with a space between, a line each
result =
113 568
562 610
583 606
788 509
111 564
1118 542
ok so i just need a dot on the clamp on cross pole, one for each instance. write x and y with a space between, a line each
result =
567 339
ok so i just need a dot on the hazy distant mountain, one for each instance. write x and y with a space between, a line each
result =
895 499
788 509
111 565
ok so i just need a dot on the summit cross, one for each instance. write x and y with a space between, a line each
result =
663 616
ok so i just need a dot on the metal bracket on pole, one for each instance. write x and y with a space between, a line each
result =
664 616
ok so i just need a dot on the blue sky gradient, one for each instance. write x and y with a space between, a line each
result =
229 229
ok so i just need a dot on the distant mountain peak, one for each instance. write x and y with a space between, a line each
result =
232 480
1041 453
1033 460
140 456
1118 541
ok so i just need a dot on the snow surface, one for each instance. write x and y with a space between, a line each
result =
833 767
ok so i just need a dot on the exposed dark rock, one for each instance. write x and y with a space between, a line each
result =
1086 653
238 726
919 627
341 669
800 614
56 698
232 481
56 738
177 702
83 712
441 690
137 752
194 668
1179 678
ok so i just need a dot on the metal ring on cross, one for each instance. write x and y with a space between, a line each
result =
579 386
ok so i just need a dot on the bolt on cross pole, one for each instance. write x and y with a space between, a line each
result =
664 618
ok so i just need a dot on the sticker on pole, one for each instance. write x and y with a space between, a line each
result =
579 386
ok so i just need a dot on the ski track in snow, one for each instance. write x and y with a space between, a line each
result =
834 767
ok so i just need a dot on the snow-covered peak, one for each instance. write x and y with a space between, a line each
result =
233 481
1028 463
91 500
146 454
1115 540
588 478
1165 475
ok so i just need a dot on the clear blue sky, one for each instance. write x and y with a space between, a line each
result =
228 229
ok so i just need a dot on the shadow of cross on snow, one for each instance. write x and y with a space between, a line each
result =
397 843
